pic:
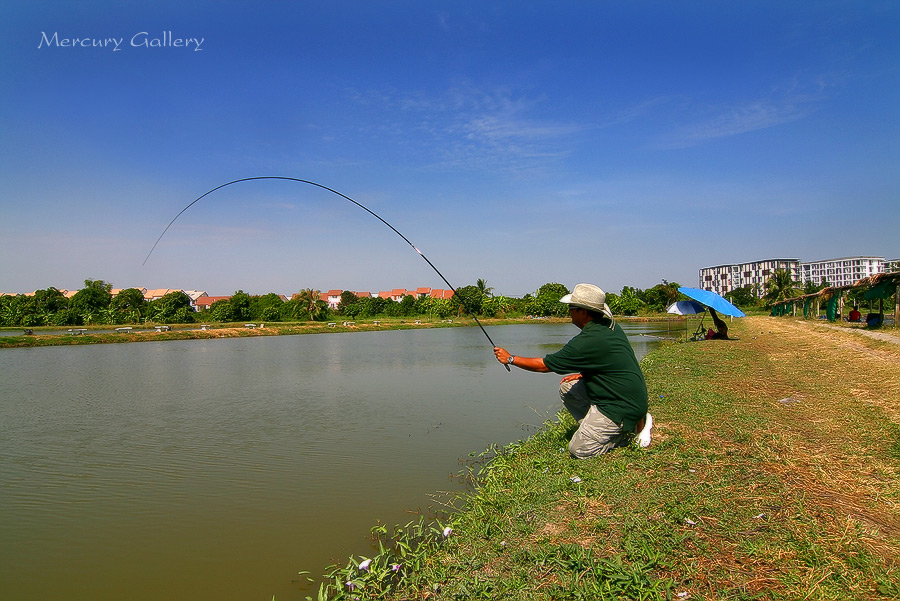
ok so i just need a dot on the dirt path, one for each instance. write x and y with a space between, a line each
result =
832 399
891 336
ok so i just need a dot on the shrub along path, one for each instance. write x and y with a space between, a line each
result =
774 473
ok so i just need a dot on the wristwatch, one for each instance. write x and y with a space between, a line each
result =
509 360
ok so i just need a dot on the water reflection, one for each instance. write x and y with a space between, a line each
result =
219 468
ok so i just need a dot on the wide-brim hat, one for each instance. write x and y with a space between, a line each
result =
588 296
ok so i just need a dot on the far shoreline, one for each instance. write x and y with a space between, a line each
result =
100 334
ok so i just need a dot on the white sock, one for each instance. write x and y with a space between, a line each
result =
643 439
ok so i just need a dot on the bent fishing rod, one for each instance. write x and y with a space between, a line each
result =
345 197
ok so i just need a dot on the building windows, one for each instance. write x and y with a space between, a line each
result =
837 272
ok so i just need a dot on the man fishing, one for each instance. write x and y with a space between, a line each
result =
604 390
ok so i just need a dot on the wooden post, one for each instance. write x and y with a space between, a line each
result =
897 307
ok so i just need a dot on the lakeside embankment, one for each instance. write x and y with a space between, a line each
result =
774 473
54 336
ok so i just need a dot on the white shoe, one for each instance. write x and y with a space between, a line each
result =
643 438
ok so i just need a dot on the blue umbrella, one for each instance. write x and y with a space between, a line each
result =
712 300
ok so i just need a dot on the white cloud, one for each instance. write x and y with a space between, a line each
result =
720 121
469 127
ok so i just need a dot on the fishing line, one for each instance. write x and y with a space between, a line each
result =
344 196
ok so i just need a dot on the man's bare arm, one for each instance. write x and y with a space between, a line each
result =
535 364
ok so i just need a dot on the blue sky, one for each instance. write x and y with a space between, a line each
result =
620 143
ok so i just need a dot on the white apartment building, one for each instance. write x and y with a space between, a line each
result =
722 279
844 271
841 272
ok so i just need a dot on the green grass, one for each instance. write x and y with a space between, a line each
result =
739 496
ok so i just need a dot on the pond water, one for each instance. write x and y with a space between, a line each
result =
218 469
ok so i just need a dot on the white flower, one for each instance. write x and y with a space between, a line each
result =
365 565
575 479
447 531
395 567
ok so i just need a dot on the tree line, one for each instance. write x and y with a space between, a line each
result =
96 305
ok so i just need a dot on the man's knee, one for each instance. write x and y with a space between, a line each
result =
596 435
581 449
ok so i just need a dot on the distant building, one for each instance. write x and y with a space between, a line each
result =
395 295
841 272
440 294
722 279
332 297
116 291
157 293
195 295
205 302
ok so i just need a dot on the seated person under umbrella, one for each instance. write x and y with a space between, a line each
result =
721 331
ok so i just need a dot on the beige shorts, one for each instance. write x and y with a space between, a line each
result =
597 434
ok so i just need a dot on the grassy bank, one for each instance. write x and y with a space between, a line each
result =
773 475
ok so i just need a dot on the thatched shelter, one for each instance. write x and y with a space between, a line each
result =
878 287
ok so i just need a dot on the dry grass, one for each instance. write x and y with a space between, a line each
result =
835 442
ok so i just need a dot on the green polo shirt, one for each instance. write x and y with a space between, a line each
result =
611 373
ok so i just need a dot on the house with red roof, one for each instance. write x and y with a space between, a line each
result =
116 291
205 302
156 293
441 294
332 297
397 294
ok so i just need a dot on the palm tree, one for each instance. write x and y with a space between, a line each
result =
781 286
309 303
483 287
